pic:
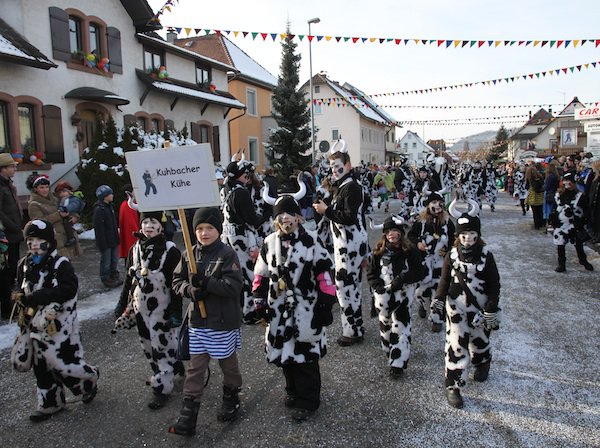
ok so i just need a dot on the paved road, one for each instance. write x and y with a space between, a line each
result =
543 390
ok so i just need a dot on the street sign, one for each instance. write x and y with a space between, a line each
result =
173 178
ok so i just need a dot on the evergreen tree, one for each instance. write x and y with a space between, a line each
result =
288 145
500 144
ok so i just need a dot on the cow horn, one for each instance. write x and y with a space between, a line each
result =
302 191
342 149
130 202
234 157
374 226
452 209
474 211
265 195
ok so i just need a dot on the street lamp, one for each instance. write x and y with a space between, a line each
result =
312 112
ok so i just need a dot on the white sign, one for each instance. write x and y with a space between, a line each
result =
587 113
173 178
594 140
591 126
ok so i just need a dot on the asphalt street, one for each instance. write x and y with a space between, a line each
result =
543 389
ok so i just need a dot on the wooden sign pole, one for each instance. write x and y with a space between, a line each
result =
191 259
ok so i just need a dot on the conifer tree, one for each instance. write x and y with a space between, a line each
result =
500 144
289 145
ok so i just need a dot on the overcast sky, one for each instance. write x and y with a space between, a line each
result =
377 68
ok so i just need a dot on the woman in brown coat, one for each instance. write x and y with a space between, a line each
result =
42 205
535 195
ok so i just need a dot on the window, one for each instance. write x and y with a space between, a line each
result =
272 106
155 125
153 59
75 34
203 76
405 146
335 134
204 134
141 123
26 127
414 145
253 149
317 89
318 108
95 46
251 102
4 137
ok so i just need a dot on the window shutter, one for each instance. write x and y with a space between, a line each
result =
53 135
129 120
216 145
195 129
114 49
59 33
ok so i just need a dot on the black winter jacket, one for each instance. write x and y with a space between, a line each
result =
10 215
105 226
219 280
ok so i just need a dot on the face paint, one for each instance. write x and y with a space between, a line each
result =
468 239
435 207
37 246
287 223
338 169
151 227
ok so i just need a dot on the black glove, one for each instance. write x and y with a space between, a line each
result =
397 283
380 289
197 280
27 300
323 316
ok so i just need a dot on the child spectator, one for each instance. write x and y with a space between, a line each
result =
107 236
218 283
71 204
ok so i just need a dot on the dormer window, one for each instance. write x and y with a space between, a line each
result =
153 59
203 77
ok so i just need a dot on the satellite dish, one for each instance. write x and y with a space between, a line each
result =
324 146
552 131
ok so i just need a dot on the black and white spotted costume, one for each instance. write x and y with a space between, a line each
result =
50 290
475 184
350 247
393 306
149 266
491 189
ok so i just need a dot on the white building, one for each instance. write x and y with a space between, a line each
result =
50 93
414 148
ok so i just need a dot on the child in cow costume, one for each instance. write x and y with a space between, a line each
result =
147 296
395 266
468 293
218 284
294 292
49 339
568 219
433 234
350 242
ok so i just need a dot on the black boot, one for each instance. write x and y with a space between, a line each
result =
561 267
231 404
186 423
587 265
454 398
481 372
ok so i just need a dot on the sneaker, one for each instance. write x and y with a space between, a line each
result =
39 416
454 398
347 341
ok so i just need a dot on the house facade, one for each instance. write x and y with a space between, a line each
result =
252 83
414 148
343 111
101 59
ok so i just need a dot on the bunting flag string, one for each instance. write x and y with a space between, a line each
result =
428 122
166 7
470 120
333 101
494 82
439 43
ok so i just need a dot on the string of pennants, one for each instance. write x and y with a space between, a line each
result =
434 123
443 43
451 120
497 106
166 7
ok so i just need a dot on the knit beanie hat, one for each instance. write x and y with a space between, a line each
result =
156 215
569 176
467 222
433 197
391 222
210 215
42 229
286 204
102 191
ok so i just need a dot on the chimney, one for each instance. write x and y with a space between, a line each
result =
171 35
550 111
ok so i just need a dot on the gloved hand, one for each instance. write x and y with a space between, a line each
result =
439 306
197 280
492 320
380 289
27 300
397 284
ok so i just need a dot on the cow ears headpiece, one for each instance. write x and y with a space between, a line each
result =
238 167
468 220
286 202
342 147
391 222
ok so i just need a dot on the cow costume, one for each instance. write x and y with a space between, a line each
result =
433 234
49 330
568 219
147 296
469 292
395 267
294 290
350 242
239 229
491 189
475 182
520 187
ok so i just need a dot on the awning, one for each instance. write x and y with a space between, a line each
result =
179 89
16 49
98 95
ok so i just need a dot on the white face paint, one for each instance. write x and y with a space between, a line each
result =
468 238
37 246
151 227
288 223
435 207
338 169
